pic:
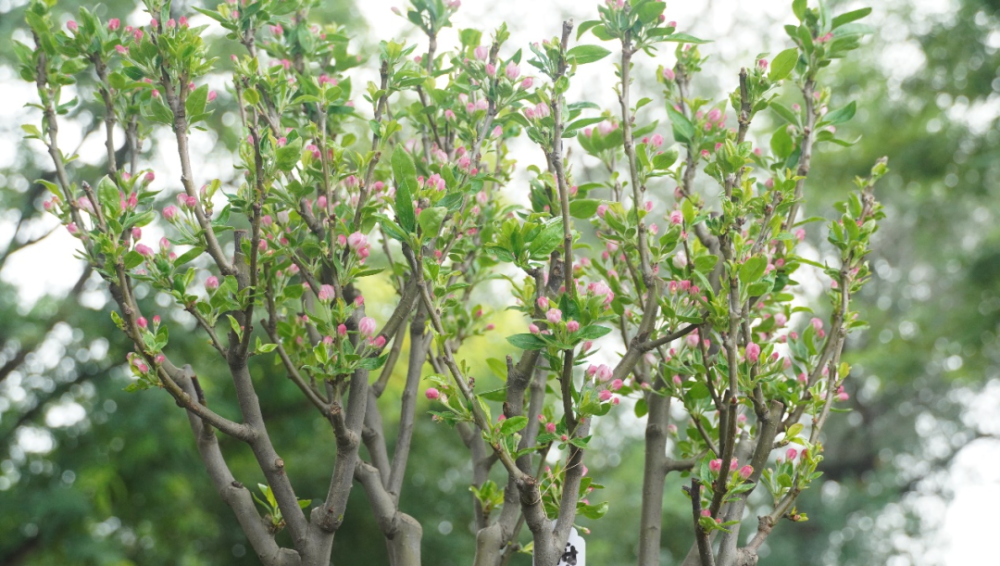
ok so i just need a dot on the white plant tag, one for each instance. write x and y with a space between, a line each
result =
575 553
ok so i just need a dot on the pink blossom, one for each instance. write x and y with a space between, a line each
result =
543 303
533 328
745 471
550 427
714 115
816 323
800 234
572 326
715 465
357 240
604 395
780 319
212 283
379 341
183 21
169 213
554 316
762 63
676 217
656 140
603 373
602 209
367 326
326 293
481 52
791 454
432 394
121 49
141 322
616 385
606 127
144 250
512 70
668 73
72 26
527 83
753 352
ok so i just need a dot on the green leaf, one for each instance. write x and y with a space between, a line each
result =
583 209
108 195
665 160
513 424
583 27
196 102
406 186
785 112
849 17
526 341
592 332
288 156
548 240
133 259
840 115
430 219
799 8
188 256
235 326
752 269
583 54
641 408
650 11
683 128
783 64
705 263
685 38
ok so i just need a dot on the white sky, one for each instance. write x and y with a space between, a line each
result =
974 480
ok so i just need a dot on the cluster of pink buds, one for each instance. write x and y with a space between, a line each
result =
601 289
358 243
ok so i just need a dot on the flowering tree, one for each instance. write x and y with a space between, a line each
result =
697 306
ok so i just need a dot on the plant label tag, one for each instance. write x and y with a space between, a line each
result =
575 553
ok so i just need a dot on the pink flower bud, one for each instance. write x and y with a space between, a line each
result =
512 70
212 283
533 328
800 234
357 240
745 472
676 217
550 427
432 394
379 341
482 52
491 70
326 293
762 63
527 83
367 326
715 465
543 303
572 326
141 322
602 209
144 250
554 316
753 352
72 26
605 395
668 74
791 454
